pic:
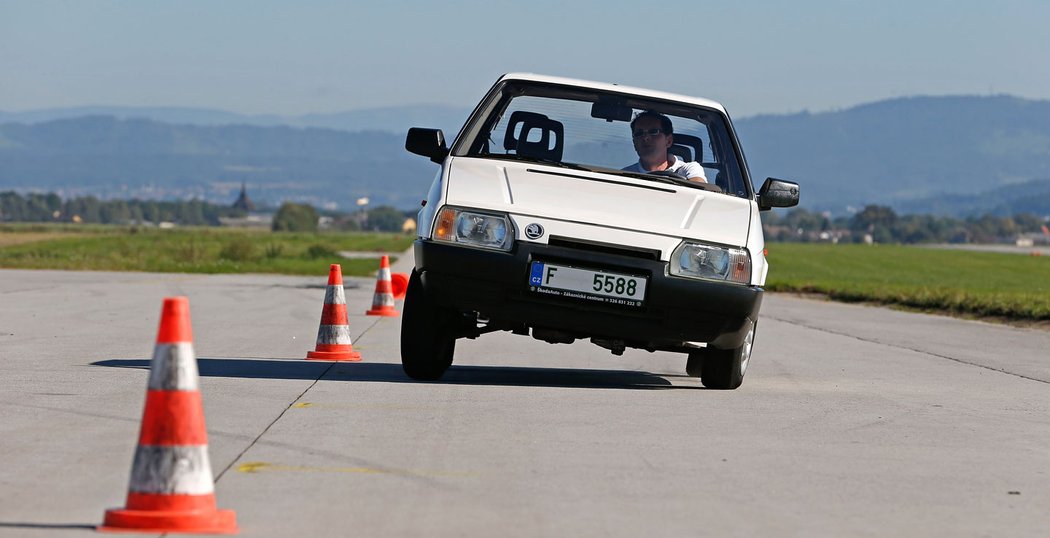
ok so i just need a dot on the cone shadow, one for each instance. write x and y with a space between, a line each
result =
518 376
47 526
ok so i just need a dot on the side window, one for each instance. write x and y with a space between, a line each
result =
716 153
698 137
728 173
695 137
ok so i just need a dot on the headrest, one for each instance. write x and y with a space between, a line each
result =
683 152
550 137
693 144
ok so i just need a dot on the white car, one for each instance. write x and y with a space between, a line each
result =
534 224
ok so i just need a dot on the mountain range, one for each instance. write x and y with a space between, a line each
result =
953 155
908 153
393 119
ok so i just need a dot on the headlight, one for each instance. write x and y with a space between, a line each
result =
695 260
473 229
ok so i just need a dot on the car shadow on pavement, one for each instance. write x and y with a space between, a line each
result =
392 373
238 367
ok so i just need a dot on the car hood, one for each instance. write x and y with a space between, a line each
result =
601 199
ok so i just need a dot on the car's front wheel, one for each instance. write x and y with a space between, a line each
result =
427 341
722 369
694 365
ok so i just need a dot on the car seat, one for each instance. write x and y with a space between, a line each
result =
688 147
551 140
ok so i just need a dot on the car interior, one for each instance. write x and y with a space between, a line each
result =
549 143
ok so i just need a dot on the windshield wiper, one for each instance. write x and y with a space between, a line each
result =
532 159
673 180
670 180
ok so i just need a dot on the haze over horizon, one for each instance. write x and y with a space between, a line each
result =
268 57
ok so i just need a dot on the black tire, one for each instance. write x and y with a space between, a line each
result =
427 344
724 369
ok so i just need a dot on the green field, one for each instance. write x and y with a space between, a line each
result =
979 284
189 250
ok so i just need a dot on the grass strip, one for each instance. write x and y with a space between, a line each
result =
191 250
980 284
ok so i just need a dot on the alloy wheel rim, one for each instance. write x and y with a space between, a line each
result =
745 350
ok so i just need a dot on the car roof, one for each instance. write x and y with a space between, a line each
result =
615 88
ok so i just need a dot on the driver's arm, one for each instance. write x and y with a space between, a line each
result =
693 171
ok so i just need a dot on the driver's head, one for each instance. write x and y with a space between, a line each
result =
652 135
649 116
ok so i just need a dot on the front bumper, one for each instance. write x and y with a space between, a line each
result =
676 309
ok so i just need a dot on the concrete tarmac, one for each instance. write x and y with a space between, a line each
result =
852 421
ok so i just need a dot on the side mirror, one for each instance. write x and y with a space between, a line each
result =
777 193
427 142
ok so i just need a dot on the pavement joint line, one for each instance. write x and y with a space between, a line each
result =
921 351
254 467
274 421
368 328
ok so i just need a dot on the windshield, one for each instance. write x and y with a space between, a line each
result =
590 129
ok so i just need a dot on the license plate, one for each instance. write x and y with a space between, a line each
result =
589 284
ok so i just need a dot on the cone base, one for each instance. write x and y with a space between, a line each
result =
193 521
389 311
348 356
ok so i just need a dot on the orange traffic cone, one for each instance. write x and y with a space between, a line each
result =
171 487
383 300
333 336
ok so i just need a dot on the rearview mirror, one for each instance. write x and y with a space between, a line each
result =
611 111
777 193
427 142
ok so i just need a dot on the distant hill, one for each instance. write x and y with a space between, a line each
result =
950 155
1028 197
107 157
902 151
393 119
177 115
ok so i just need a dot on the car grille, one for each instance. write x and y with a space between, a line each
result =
619 250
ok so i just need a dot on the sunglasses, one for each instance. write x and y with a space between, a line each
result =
638 133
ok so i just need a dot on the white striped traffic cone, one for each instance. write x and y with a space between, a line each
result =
171 487
383 300
333 335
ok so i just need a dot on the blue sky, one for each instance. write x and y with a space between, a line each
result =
263 57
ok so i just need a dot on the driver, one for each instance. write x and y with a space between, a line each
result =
653 135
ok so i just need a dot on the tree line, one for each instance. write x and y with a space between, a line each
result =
881 224
37 207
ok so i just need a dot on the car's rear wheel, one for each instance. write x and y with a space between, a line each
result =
723 369
427 341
